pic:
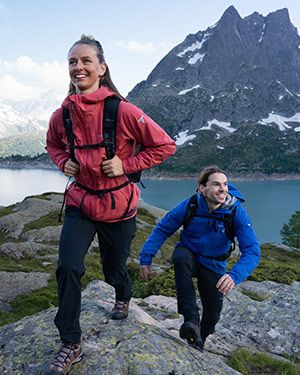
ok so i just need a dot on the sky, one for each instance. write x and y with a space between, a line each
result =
35 36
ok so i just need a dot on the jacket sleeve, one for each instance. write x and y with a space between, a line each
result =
141 129
56 148
167 226
248 245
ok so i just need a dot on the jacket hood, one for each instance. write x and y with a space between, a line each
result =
91 98
234 197
232 190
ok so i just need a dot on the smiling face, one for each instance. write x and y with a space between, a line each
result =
215 190
85 69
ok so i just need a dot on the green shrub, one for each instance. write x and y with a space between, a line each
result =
159 284
290 232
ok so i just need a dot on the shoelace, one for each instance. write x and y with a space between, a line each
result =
120 305
62 358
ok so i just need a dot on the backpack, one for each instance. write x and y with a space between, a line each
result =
227 219
110 113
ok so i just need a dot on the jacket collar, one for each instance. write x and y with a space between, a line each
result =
92 98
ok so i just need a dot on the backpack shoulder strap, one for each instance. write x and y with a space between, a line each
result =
69 131
228 224
191 211
110 114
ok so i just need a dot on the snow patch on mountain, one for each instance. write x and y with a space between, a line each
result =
182 137
221 124
281 121
187 90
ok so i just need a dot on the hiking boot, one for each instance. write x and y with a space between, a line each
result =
191 332
120 310
67 355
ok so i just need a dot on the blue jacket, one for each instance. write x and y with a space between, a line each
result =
205 236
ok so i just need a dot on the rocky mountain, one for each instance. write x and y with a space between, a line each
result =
259 315
240 76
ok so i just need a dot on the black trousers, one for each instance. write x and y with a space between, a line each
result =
76 237
186 267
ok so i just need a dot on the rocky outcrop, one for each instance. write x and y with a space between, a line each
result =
138 345
14 283
27 211
258 315
271 325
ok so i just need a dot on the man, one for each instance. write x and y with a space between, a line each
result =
203 250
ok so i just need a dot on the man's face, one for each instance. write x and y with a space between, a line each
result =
215 190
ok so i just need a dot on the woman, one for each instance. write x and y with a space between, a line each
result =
101 200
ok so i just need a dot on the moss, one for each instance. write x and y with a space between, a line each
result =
255 295
250 363
50 219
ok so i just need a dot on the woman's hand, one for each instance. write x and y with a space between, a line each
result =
225 284
113 167
71 169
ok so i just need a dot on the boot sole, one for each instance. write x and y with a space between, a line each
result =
189 334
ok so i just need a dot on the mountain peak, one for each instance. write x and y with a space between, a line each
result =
280 17
230 14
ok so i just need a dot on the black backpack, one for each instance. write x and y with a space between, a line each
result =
110 113
228 220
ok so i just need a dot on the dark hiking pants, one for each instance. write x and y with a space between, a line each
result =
77 234
186 267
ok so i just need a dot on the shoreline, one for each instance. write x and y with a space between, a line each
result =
231 177
256 176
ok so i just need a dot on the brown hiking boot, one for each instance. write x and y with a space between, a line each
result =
67 355
120 310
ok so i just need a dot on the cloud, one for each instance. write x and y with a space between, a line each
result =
145 48
11 89
28 78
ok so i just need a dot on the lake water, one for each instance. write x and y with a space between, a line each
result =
269 204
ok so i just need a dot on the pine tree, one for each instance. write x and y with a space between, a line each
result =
290 232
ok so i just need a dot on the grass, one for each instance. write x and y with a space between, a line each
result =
276 265
41 299
145 215
251 363
51 219
44 196
7 210
160 284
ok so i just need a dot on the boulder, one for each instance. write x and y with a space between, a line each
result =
137 345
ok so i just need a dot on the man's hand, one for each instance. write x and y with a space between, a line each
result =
145 272
225 284
113 167
71 169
